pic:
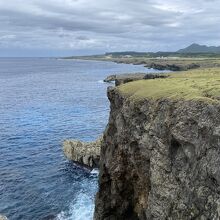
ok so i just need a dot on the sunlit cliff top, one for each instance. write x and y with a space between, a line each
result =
202 84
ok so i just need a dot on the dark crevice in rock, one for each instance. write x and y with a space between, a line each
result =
175 146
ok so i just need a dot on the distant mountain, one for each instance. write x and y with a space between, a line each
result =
196 48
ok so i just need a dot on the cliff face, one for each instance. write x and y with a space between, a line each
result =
160 159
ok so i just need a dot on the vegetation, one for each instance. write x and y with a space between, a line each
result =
203 84
160 63
148 55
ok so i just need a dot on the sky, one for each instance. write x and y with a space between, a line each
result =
85 27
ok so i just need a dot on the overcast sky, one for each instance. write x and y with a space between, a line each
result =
76 27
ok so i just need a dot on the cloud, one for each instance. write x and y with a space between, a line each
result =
74 25
8 37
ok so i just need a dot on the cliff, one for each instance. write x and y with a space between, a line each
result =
160 155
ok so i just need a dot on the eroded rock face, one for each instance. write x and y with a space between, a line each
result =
160 160
84 153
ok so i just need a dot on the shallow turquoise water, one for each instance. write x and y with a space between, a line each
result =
43 102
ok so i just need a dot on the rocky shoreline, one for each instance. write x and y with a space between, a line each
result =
160 63
163 64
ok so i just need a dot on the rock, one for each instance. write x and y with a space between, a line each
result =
172 67
84 153
129 77
160 159
155 76
2 217
110 78
125 78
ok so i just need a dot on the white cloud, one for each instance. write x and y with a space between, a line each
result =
7 37
103 25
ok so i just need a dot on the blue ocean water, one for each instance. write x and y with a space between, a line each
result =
42 102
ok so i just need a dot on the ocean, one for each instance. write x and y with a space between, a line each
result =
44 101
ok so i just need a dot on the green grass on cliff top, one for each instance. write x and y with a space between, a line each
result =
199 84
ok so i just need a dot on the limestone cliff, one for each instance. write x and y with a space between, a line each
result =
160 159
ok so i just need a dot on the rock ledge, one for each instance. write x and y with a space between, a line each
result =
84 153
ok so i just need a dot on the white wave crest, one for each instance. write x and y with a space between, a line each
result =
82 209
82 206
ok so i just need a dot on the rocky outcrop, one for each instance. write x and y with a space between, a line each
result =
130 77
2 217
172 67
160 160
87 154
110 78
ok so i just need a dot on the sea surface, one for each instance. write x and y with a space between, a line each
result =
42 102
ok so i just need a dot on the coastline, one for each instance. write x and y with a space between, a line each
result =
161 63
87 154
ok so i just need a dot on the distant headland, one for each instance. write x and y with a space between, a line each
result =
191 57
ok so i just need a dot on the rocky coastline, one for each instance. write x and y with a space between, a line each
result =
159 160
161 64
159 155
172 67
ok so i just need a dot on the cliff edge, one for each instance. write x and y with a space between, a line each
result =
160 155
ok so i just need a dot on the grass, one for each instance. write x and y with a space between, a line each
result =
202 84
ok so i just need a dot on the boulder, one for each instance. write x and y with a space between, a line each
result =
84 153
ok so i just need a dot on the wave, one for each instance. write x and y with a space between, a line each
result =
82 206
101 81
81 209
